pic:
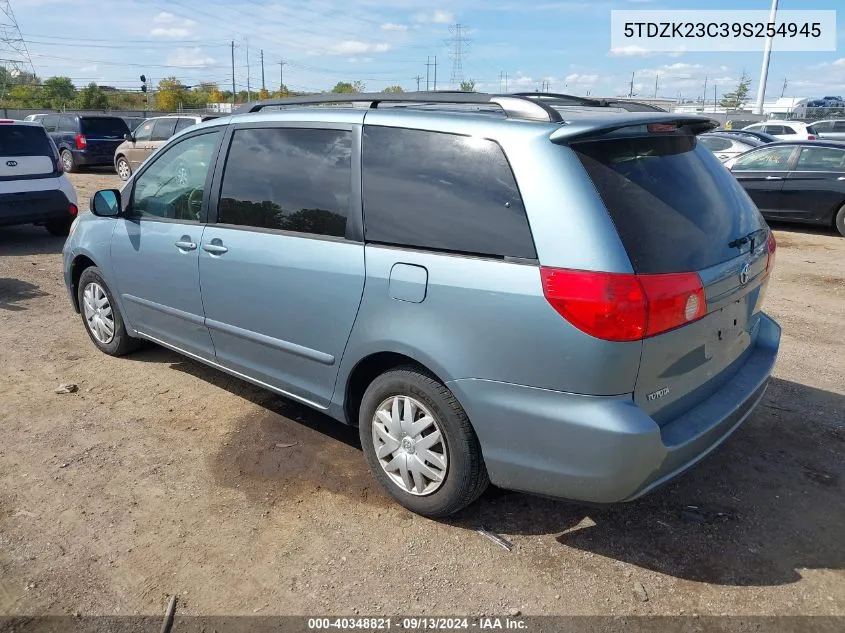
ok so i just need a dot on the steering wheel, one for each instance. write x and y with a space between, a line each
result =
195 203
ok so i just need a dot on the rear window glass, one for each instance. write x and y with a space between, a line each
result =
103 126
674 204
24 140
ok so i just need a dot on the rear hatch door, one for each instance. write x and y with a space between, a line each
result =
26 151
103 135
678 210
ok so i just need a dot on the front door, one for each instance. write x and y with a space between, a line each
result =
136 152
155 245
282 270
762 173
815 189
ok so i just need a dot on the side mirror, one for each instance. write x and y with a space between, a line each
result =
106 203
128 137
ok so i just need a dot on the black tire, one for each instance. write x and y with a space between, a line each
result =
121 343
466 477
59 228
121 162
839 221
68 164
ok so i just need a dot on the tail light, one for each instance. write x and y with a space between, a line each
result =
72 210
81 141
624 307
811 137
771 247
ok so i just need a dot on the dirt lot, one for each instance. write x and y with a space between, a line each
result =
160 475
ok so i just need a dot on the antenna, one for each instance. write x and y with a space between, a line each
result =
456 44
14 55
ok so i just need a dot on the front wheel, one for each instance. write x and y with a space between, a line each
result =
122 168
419 443
101 315
839 221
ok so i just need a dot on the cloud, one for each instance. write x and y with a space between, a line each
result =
355 47
164 17
390 26
190 57
88 69
575 78
630 51
438 16
839 62
169 32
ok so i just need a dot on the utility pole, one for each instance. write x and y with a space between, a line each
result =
704 94
418 77
263 87
715 103
785 84
427 66
435 72
503 78
631 91
282 76
764 70
656 77
233 73
248 91
456 43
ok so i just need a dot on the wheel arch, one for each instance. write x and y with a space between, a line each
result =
77 267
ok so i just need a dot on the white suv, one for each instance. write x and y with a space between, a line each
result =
33 185
786 130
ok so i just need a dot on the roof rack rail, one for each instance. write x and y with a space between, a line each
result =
558 99
514 106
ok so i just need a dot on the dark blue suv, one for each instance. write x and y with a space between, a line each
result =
85 140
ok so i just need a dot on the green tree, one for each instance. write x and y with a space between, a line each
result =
393 89
170 94
343 87
92 98
58 92
468 86
24 96
733 100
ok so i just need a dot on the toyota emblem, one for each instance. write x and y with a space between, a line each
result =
11 163
743 274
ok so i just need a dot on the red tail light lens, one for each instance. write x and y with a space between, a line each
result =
624 307
811 137
81 141
72 209
771 247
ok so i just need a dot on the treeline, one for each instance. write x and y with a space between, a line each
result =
26 91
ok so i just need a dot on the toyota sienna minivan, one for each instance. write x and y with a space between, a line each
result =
551 295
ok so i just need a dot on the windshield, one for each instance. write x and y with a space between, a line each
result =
675 206
104 126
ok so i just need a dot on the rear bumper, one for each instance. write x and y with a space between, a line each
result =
33 207
604 449
89 158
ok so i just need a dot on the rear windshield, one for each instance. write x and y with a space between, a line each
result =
675 206
24 140
103 126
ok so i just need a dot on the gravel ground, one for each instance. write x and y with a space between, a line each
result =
161 476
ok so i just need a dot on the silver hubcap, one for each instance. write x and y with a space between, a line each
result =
409 445
98 313
67 161
123 169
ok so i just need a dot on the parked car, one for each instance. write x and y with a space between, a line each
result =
726 146
34 117
33 186
85 140
133 122
786 130
146 139
525 301
750 136
796 181
833 129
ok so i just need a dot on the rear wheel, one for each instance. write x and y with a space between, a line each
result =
122 168
59 228
101 315
419 443
68 164
839 221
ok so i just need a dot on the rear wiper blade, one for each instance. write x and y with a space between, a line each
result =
745 239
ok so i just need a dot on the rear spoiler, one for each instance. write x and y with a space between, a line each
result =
579 129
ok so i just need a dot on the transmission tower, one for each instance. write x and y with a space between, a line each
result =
456 45
14 55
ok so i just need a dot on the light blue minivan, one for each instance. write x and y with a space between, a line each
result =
549 294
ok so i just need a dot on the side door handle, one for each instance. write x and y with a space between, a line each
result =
773 178
215 247
841 178
186 245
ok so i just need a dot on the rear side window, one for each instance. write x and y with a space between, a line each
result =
789 130
163 129
839 126
823 126
442 191
50 122
183 123
144 131
24 140
767 159
821 159
67 124
674 204
715 144
774 129
105 127
289 179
